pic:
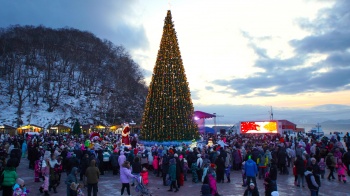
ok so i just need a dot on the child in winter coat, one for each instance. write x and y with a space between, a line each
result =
342 170
125 175
244 177
19 188
37 170
45 170
295 175
155 164
144 175
228 172
322 166
76 189
185 169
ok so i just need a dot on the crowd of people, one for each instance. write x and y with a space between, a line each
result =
85 158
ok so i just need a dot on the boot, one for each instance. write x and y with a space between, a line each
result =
41 189
54 190
46 193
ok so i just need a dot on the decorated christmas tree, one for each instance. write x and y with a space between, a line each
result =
168 114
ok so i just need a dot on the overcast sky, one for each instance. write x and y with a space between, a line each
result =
241 57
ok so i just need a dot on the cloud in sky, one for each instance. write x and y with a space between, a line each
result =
329 38
240 56
109 19
235 113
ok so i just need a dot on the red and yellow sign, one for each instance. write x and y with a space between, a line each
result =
259 127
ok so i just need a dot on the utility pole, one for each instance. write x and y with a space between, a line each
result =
215 121
318 127
271 114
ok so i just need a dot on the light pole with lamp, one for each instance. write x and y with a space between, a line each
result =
132 124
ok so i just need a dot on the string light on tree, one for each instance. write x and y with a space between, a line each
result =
168 114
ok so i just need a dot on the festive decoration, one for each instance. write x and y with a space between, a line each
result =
125 134
95 136
193 144
76 128
210 142
168 114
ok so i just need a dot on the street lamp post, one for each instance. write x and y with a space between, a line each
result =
132 124
318 128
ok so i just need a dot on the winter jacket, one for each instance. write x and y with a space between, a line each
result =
310 180
105 156
72 177
262 160
341 169
300 166
172 172
136 167
24 147
330 156
114 159
10 176
250 168
125 174
155 162
92 173
212 184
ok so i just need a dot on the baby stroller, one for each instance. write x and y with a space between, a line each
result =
141 188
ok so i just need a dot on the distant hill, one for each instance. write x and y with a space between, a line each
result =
54 76
346 121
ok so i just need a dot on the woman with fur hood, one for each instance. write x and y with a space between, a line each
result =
71 178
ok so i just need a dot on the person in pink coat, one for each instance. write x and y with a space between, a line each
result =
212 184
341 170
155 164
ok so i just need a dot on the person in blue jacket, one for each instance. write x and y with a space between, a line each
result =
251 170
24 149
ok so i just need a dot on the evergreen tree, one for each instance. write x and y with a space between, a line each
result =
76 128
168 114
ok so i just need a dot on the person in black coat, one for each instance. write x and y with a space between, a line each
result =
282 157
165 167
273 174
179 169
220 169
300 168
136 169
114 162
84 164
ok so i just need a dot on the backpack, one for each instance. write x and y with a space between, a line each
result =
329 161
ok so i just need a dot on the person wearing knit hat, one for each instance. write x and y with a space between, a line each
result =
19 188
251 190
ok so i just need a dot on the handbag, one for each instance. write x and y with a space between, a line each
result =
168 181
